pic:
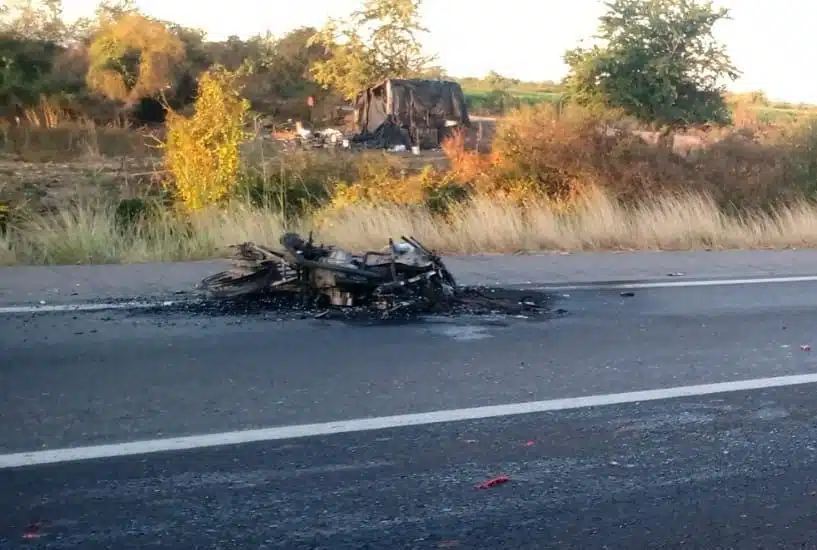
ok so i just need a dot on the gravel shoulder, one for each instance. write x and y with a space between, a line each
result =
82 283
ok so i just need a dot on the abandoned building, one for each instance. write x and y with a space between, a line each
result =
410 112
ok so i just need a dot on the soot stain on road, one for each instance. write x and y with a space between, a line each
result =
500 305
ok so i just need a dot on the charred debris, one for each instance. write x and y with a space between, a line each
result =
404 278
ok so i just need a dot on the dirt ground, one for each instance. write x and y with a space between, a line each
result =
26 180
478 137
47 185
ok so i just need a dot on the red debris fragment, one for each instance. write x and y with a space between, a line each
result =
805 347
31 531
493 482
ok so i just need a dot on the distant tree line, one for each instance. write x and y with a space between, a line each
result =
655 60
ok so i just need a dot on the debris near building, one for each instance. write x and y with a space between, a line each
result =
397 115
403 277
409 112
294 135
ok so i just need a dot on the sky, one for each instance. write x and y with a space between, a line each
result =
526 39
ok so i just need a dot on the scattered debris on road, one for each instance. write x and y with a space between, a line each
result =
402 277
493 482
32 530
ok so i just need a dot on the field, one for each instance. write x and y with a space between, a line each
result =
482 101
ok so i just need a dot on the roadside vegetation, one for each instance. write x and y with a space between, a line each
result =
128 139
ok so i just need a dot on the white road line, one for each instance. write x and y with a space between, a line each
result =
681 284
366 424
67 308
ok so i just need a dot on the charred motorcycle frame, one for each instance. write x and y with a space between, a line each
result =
402 275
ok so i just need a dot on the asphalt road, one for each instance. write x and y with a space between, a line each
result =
81 283
732 470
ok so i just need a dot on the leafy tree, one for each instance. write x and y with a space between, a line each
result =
133 56
228 53
24 69
31 33
84 29
32 20
658 62
114 9
196 60
434 72
499 83
292 61
378 41
203 152
275 72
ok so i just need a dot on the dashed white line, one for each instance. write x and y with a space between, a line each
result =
33 458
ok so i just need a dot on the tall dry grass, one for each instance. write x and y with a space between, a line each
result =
7 254
92 233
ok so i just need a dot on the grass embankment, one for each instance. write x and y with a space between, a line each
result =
553 181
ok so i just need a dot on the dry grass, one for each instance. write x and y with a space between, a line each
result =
88 233
7 255
71 141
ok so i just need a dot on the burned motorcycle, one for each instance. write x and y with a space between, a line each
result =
400 276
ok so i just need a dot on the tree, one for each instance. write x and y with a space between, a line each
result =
31 33
499 98
658 62
84 29
32 20
114 9
292 60
434 72
275 71
203 152
377 42
499 83
24 69
132 57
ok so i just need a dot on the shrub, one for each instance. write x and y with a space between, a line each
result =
540 150
5 213
386 182
292 183
203 152
133 211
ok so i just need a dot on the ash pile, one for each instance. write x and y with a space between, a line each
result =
404 278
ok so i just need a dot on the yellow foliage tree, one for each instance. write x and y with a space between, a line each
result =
378 41
202 152
133 56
